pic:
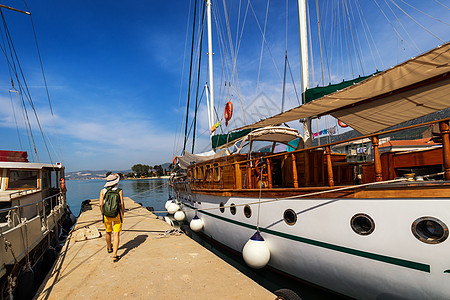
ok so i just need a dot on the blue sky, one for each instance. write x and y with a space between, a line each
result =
117 71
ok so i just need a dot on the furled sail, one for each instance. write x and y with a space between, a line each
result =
189 158
415 88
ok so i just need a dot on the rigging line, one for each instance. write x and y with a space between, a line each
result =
176 144
284 83
393 27
357 39
235 76
371 37
401 24
293 82
198 75
417 22
326 54
360 14
354 38
15 119
310 46
441 4
265 41
426 13
12 49
190 76
45 81
320 41
13 68
262 49
348 45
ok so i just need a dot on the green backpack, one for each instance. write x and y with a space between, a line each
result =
111 203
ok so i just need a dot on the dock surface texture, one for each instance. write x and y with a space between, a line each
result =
151 266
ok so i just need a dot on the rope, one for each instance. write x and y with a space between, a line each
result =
169 232
417 22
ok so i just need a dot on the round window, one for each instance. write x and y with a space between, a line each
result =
362 224
429 230
233 209
221 207
247 211
290 217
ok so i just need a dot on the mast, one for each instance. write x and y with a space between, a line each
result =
210 65
304 65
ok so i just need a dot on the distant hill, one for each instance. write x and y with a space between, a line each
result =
100 174
90 174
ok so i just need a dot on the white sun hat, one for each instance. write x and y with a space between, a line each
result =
112 179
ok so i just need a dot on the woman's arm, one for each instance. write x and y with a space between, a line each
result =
122 204
101 201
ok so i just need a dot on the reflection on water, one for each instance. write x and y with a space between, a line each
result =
148 192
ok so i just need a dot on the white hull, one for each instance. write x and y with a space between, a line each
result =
322 248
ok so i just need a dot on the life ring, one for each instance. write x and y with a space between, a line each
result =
343 125
228 112
174 161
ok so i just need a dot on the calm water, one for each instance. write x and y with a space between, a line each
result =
154 193
148 192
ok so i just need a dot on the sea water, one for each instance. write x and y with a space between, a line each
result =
154 193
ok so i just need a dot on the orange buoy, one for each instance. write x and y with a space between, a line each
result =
62 184
343 125
174 161
228 112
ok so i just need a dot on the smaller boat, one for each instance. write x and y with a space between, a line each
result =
33 214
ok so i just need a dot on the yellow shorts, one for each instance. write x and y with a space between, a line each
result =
112 224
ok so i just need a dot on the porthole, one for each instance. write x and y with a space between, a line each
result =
221 207
429 230
247 211
233 209
290 217
362 224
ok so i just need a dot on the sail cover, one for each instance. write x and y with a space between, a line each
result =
189 158
415 88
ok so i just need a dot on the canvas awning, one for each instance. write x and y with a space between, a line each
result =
415 88
189 158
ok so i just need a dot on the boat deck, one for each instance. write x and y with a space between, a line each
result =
151 266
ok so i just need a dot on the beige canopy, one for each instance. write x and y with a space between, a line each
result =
189 158
415 88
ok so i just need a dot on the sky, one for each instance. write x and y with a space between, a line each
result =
117 72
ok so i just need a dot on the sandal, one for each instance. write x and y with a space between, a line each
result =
110 250
116 258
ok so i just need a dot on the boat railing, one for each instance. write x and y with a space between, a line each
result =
239 172
43 208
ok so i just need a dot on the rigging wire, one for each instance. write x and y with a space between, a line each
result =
176 145
15 119
262 49
190 77
423 27
426 13
401 24
45 83
198 75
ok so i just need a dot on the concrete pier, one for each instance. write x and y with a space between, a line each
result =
152 266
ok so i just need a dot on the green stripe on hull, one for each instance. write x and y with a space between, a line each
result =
378 257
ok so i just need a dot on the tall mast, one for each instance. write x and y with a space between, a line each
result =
304 65
210 64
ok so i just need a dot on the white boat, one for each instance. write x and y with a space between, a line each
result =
33 209
371 229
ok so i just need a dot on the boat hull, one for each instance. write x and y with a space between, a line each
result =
322 248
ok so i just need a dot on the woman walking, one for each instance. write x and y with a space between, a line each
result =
112 208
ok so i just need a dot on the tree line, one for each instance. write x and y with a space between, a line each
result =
140 170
